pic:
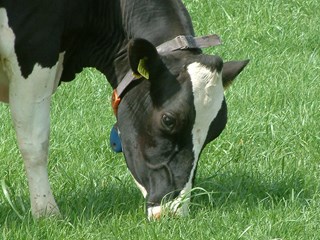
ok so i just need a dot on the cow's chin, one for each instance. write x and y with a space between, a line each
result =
179 207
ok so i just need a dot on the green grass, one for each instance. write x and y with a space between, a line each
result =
261 177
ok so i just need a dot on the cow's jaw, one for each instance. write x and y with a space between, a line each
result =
208 95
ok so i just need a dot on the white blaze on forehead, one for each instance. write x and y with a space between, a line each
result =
208 95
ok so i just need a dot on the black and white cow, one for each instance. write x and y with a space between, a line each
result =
164 121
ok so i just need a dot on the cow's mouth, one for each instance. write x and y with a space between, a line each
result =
175 207
178 207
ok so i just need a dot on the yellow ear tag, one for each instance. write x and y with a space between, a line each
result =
142 68
136 75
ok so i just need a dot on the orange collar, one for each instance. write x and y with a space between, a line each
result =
115 101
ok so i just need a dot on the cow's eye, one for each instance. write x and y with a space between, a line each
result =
168 121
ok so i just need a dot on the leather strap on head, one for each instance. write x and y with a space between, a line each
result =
189 42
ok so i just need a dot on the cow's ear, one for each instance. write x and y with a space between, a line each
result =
144 59
231 70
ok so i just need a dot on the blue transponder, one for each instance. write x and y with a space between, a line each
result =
115 141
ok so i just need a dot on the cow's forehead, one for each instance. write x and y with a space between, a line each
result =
208 96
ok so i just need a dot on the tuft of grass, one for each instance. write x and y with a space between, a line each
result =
260 177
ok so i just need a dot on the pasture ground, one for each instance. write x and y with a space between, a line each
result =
259 180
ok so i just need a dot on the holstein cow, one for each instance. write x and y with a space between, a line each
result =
168 112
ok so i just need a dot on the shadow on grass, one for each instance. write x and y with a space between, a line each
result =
91 202
229 189
224 191
84 202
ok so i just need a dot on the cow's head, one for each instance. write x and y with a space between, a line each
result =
168 117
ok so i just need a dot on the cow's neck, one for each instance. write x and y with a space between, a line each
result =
100 38
157 21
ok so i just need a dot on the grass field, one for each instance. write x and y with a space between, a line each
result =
259 180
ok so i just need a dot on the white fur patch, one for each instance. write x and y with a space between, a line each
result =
29 101
141 188
6 36
6 53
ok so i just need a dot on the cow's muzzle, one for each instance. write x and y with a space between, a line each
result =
178 207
